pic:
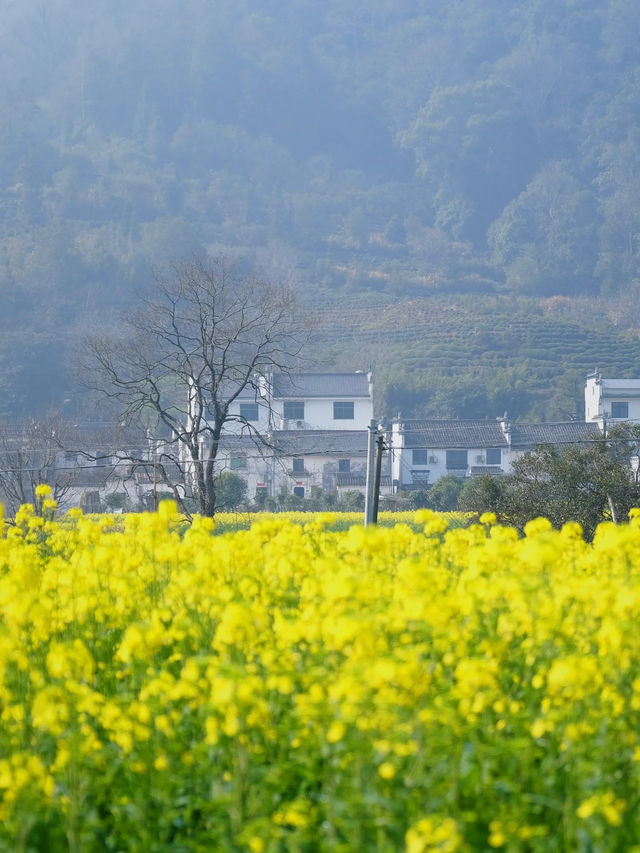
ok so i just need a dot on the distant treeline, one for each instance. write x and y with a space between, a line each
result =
417 148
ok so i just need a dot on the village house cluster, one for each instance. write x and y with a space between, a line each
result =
317 433
307 434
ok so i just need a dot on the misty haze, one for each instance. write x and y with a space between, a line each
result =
452 188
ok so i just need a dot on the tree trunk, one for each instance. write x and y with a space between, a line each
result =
209 507
201 489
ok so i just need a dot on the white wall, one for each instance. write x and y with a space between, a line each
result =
408 472
238 428
600 394
436 466
318 414
592 390
277 474
258 470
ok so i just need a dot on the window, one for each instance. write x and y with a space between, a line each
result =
298 465
249 411
342 411
237 463
619 410
456 460
294 411
420 456
494 456
298 491
344 466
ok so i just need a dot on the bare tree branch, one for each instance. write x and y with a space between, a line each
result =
195 343
29 454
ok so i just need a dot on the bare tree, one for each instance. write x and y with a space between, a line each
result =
30 455
204 334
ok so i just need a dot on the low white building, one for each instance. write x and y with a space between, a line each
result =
321 401
333 461
299 462
303 401
426 450
423 451
291 433
609 401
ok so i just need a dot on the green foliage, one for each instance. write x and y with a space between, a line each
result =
584 484
463 357
444 494
442 152
419 498
351 501
483 494
231 491
116 500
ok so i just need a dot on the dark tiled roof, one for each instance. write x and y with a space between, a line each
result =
453 434
88 476
247 392
299 443
571 432
292 385
312 442
613 385
359 480
350 479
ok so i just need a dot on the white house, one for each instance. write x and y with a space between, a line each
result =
304 401
300 461
425 450
611 400
321 401
250 459
250 412
333 461
291 432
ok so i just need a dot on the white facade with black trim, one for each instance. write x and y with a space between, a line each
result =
297 432
423 451
608 401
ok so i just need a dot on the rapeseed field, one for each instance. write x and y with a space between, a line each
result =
293 687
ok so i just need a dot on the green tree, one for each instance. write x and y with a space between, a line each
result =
483 494
351 501
545 237
574 483
444 494
231 491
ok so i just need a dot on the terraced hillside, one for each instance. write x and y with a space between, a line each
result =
453 357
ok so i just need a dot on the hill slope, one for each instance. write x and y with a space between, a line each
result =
418 148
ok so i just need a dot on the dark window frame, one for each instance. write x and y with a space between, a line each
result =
344 410
620 406
455 459
420 456
344 466
297 465
293 410
254 410
493 456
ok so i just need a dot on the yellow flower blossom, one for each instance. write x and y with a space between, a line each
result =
151 666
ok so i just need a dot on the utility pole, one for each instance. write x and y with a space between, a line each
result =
376 481
368 498
155 487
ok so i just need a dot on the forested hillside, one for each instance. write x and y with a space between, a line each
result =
479 154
